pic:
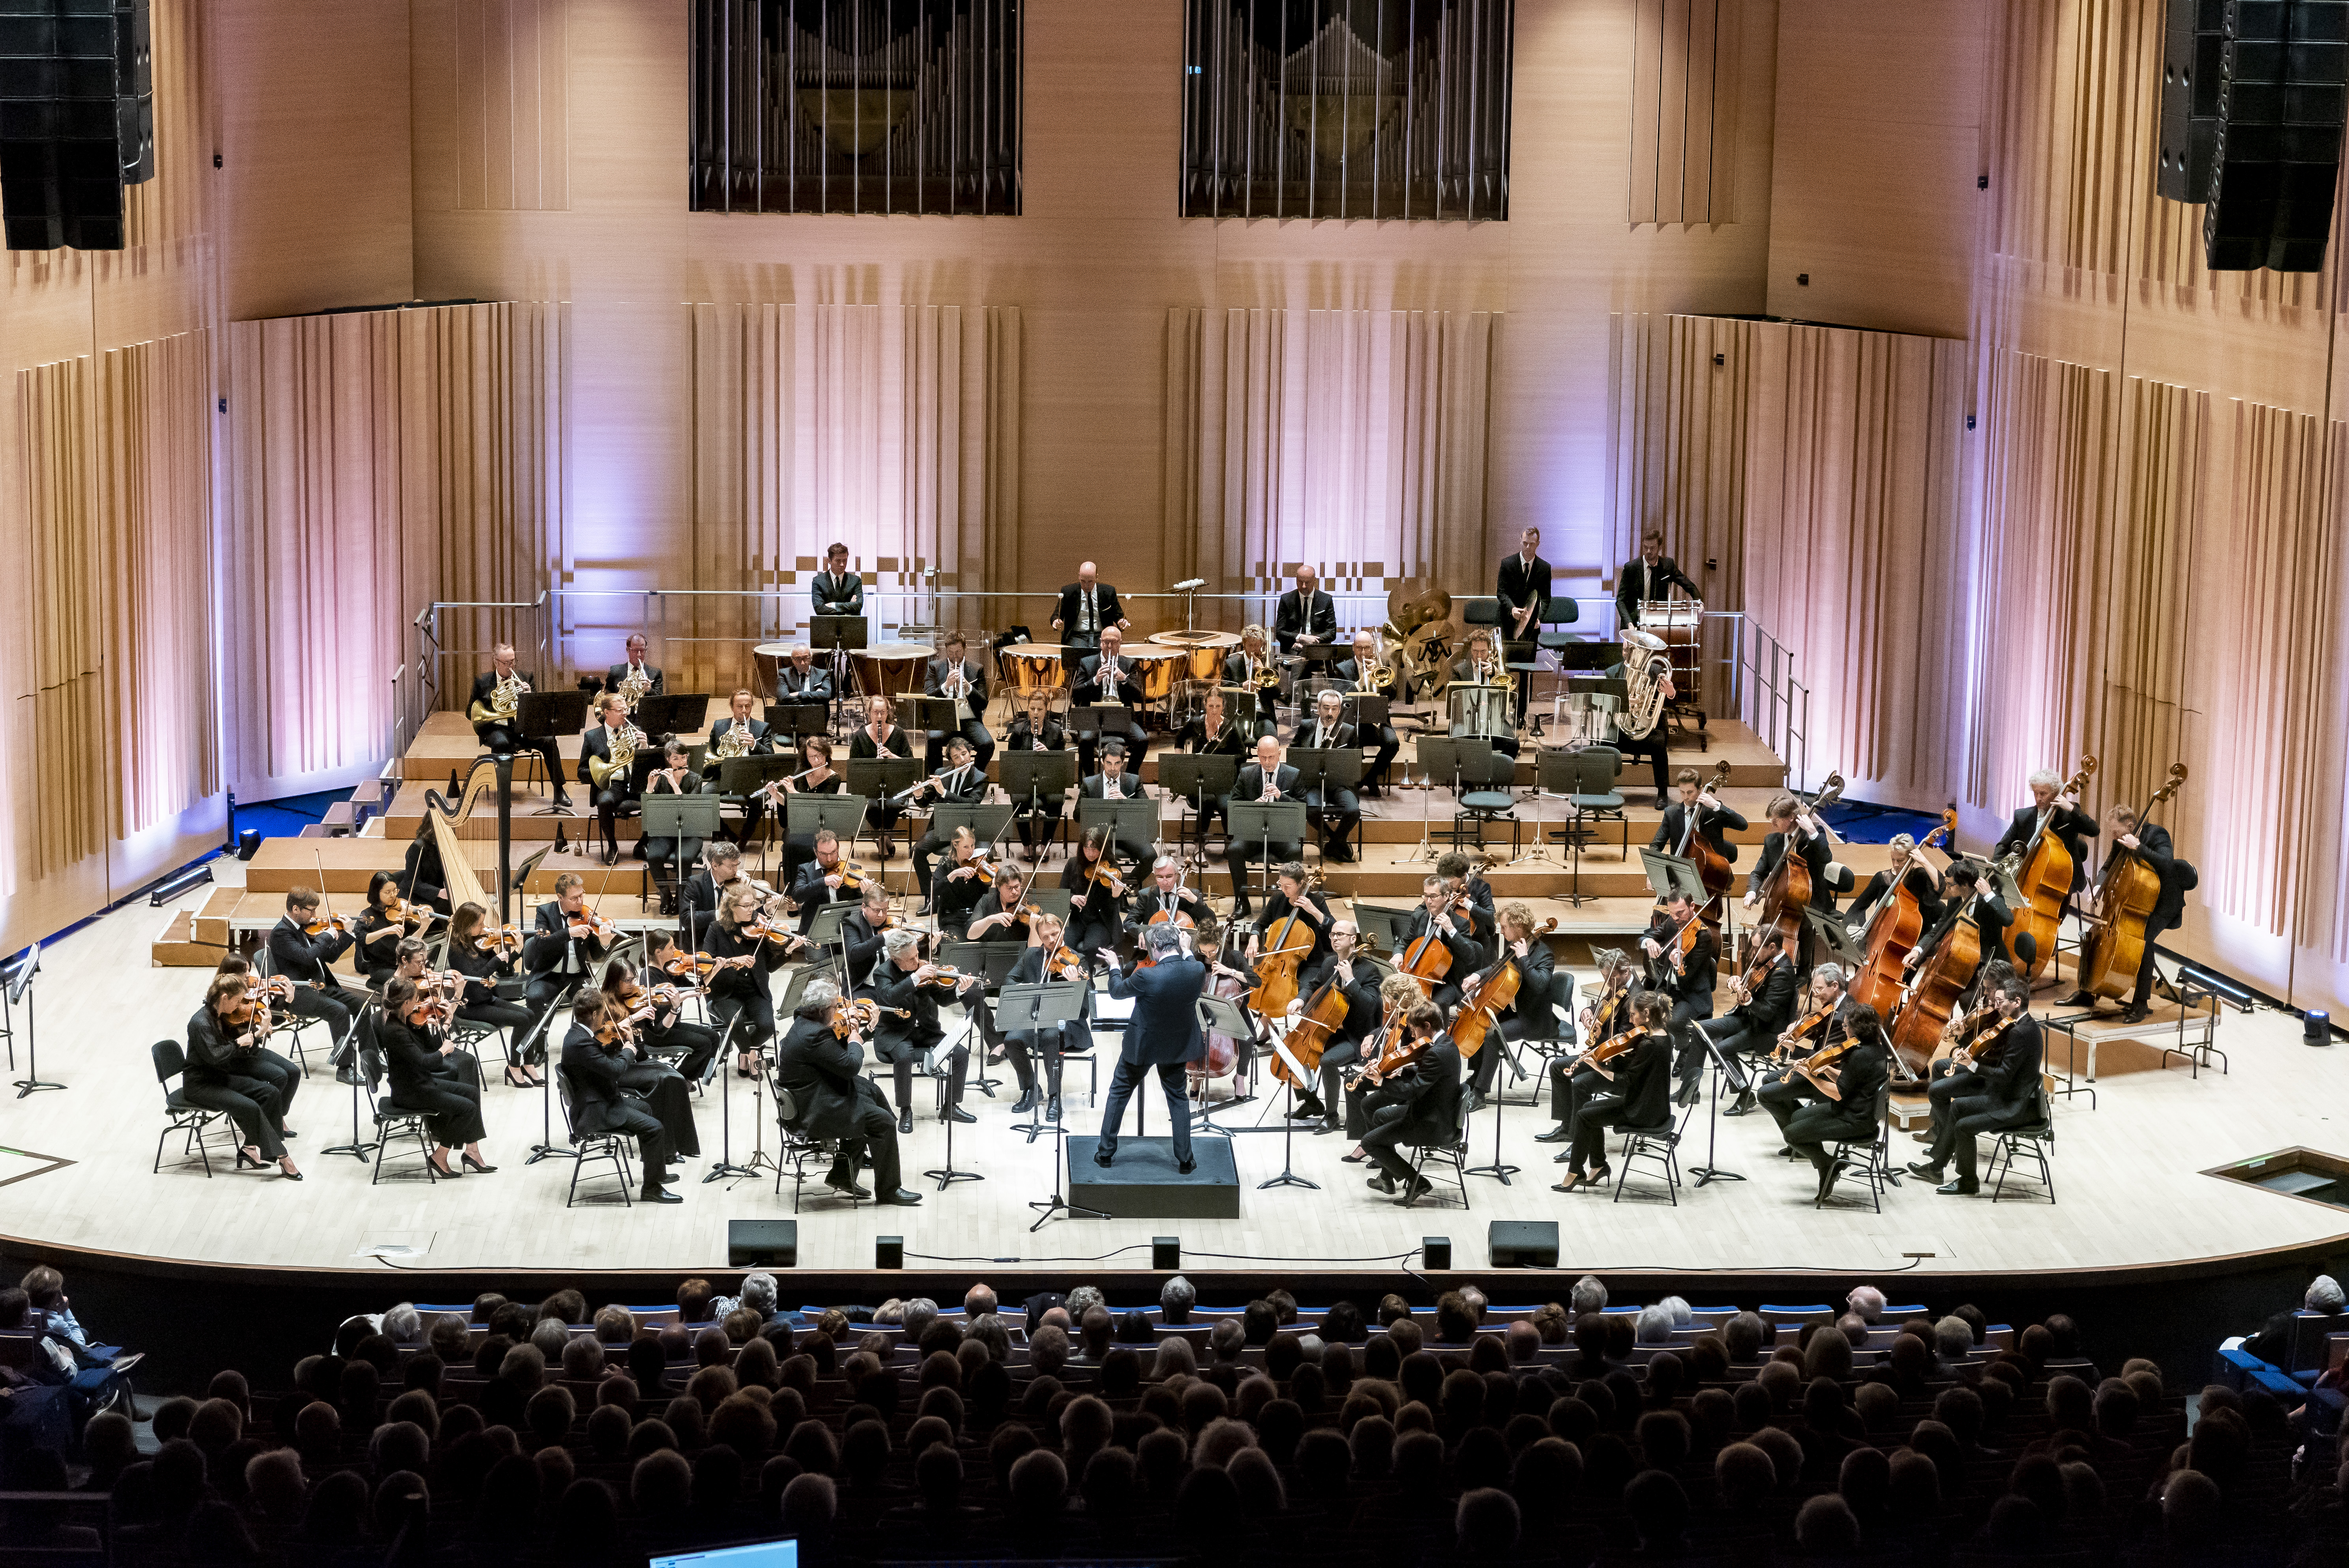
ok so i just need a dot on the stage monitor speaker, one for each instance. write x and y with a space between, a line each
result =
1523 1243
762 1243
1435 1252
2283 93
1165 1254
77 119
888 1251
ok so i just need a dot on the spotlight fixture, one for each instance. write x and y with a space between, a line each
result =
2316 1027
179 882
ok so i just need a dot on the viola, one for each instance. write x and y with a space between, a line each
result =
503 939
1893 930
1398 1049
326 923
1104 876
700 966
2042 870
1802 1029
861 1015
1819 1068
1065 963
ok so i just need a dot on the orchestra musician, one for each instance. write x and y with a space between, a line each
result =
1265 779
605 743
1658 663
422 878
1638 1094
664 854
2151 842
962 782
230 1070
818 777
502 736
907 986
566 942
1355 673
1034 729
879 736
1251 667
1442 911
861 934
665 1030
303 949
1344 964
1421 1104
1523 589
1212 734
801 682
1909 870
1001 915
1650 577
1462 878
1331 808
1714 820
429 1074
1766 993
1165 894
721 863
1530 1015
1118 781
486 959
1483 714
823 880
1096 906
1814 1120
1109 678
1793 823
836 590
1024 1047
1682 954
740 1003
1952 1075
381 924
1398 995
1606 1015
958 883
661 1087
1163 1035
634 668
1306 613
2063 817
1293 894
757 741
596 1061
962 679
1776 1088
2004 1092
823 1068
1964 897
1087 608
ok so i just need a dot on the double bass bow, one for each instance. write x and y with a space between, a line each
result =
2126 891
1894 927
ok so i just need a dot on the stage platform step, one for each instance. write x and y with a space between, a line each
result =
1144 1184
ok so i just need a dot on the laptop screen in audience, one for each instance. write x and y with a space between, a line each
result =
783 1553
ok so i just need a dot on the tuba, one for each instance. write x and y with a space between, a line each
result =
1643 655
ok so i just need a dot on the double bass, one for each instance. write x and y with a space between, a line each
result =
2042 870
1788 892
2126 891
1894 929
1924 1015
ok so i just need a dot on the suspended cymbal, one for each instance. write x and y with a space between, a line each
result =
1416 601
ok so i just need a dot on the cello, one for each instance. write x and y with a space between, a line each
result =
2042 870
1278 956
1894 929
1495 992
1309 1037
1916 1030
1788 892
2127 891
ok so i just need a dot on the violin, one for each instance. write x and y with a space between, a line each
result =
1802 1029
1819 1068
682 965
1065 963
1104 876
326 923
503 939
1397 1050
946 976
597 926
856 1016
1607 1050
276 987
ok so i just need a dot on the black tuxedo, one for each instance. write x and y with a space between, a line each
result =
1519 586
1092 686
1990 916
1750 1027
842 595
1713 825
833 1099
618 788
2001 1093
1248 790
554 958
1638 582
318 990
601 1103
812 690
909 1028
1529 1017
971 729
1349 674
762 742
2154 848
1816 854
1138 852
697 905
1277 907
863 941
1071 613
1294 618
1333 809
619 672
1809 1121
1422 1106
2069 822
1149 902
1046 815
500 736
809 892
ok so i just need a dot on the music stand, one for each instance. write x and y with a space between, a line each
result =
677 817
836 633
672 713
741 778
1319 769
1029 776
812 814
1047 1005
1130 822
1278 1046
986 819
1724 1068
878 778
1194 776
18 974
1262 822
1835 938
1225 1015
1387 928
546 716
1671 876
798 719
1092 719
1371 709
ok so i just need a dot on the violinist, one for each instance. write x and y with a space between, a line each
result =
1421 1105
1344 965
963 782
429 1074
1954 1075
663 854
382 923
1964 897
961 882
825 879
879 736
1860 1076
1165 895
819 1062
1766 995
1442 912
1035 730
1529 1016
1096 893
504 735
486 961
747 951
1682 955
566 942
1213 734
445 987
962 679
1398 995
721 863
596 1059
861 935
801 681
819 777
2005 1090
1715 821
1111 679
303 948
2063 816
616 736
757 741
1119 780
666 1030
1332 808
2151 844
1779 1089
1046 960
1354 673
1603 1017
1000 915
1266 779
231 1071
1638 1093
1908 870
646 1017
907 986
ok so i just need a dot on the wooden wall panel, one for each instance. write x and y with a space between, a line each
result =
1685 84
513 132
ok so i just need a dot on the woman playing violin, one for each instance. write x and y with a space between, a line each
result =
381 926
1606 1015
748 950
1637 1093
649 1015
962 882
1002 915
484 957
429 1074
1398 995
1096 893
230 1071
1046 958
1682 954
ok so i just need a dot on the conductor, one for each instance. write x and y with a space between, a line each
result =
1163 1034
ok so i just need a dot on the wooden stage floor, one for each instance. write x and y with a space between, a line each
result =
2129 1174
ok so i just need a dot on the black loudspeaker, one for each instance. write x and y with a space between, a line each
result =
1435 1252
2193 59
2282 95
77 119
762 1243
1165 1254
1523 1243
888 1251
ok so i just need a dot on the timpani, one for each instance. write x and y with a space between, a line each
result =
891 668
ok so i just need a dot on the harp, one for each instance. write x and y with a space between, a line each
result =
448 823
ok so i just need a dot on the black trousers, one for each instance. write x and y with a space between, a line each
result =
1731 1035
652 1140
972 731
1135 740
1380 1143
1946 1083
609 799
1971 1118
1570 1085
543 991
334 1006
699 1045
2148 972
251 1103
670 1099
1025 1047
1591 1119
279 1074
510 1016
1389 744
1814 1127
1651 748
1037 823
1341 1054
452 1103
498 738
1335 813
1126 1079
873 1138
902 1053
757 1012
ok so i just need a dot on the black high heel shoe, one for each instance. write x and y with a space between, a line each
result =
251 1162
472 1164
289 1175
525 1081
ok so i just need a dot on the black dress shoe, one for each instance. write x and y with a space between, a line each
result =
2135 1015
956 1113
905 1195
1420 1188
1690 1097
1745 1105
1926 1170
843 1183
1325 1129
905 1123
1026 1103
2080 999
658 1195
1557 1134
1307 1109
1382 1182
1104 1157
1186 1167
1960 1187
1828 1181
1052 1109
